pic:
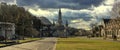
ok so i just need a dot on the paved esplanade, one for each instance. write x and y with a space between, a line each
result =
45 44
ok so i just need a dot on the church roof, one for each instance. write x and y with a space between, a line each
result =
7 23
45 21
106 20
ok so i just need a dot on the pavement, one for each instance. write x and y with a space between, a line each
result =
44 44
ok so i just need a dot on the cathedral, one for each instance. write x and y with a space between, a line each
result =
61 30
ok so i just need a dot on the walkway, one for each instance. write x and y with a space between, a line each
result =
45 44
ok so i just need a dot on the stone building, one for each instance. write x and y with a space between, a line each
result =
7 30
61 30
43 25
111 28
96 31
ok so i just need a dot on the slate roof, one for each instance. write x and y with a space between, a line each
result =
106 20
7 23
45 21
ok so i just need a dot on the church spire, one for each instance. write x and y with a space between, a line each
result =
60 17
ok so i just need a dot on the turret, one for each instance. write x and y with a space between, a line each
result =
66 23
53 23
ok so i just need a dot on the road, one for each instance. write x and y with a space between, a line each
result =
45 44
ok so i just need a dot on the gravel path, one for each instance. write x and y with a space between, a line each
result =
45 44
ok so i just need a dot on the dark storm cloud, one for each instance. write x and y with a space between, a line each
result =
72 4
75 16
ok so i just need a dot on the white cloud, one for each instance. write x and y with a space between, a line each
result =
40 12
109 2
36 11
9 1
104 10
80 23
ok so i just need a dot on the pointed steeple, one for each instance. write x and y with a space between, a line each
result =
60 17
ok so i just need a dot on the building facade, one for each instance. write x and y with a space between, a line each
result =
61 30
7 30
111 28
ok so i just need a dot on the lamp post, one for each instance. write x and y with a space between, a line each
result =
23 28
5 35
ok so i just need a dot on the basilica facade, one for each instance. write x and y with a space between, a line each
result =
60 29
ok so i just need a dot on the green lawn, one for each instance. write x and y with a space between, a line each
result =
28 39
2 44
86 44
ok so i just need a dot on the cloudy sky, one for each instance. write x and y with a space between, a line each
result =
79 13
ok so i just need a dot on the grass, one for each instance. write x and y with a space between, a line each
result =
28 39
2 44
86 44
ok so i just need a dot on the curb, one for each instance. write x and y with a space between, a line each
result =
54 48
7 45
